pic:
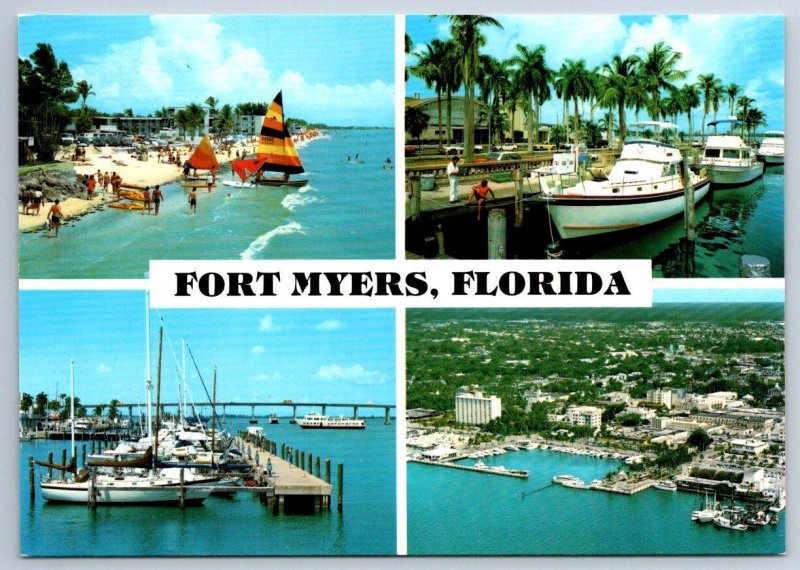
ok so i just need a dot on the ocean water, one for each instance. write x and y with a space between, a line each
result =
237 526
345 212
464 513
746 220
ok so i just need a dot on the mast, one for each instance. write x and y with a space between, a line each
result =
213 416
148 385
183 401
158 396
72 406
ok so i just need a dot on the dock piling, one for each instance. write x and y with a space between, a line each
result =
518 209
440 239
328 471
50 469
316 468
497 233
31 477
63 462
182 497
340 490
83 454
688 193
387 418
92 495
310 464
416 196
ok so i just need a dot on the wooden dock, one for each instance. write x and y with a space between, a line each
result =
292 486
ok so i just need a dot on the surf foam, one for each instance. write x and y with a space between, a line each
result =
262 241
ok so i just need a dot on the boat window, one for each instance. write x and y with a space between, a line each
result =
638 188
631 172
712 153
615 190
730 153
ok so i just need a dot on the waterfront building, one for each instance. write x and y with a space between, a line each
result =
747 418
472 407
584 416
249 124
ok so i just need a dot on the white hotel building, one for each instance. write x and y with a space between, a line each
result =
472 407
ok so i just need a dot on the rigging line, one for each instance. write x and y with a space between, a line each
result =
189 349
174 355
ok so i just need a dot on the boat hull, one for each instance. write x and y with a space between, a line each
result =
122 494
581 216
236 184
734 175
305 426
282 182
771 159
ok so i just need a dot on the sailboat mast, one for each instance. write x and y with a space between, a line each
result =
213 416
158 396
72 406
148 385
183 356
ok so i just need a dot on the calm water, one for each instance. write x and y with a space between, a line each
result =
459 512
730 223
346 212
232 526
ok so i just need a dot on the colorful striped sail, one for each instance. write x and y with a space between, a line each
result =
204 157
275 144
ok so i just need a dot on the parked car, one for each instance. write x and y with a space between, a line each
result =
410 150
455 149
505 146
499 157
67 139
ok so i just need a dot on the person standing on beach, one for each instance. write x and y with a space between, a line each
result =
37 200
479 192
452 175
90 184
193 201
106 181
210 182
54 217
157 197
146 199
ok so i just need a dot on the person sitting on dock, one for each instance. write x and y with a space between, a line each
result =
479 192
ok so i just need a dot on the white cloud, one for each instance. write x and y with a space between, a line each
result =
329 325
266 377
104 369
266 324
258 349
357 374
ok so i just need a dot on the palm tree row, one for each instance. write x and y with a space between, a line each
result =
647 80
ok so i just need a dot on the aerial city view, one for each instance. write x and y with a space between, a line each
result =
626 431
597 137
204 432
203 137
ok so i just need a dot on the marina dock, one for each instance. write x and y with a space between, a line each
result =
517 474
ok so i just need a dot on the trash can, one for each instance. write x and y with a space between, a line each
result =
427 182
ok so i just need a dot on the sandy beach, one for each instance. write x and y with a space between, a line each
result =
132 170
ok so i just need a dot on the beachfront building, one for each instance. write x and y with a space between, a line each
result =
473 408
249 124
584 416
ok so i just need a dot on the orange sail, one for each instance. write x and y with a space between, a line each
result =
203 157
247 167
275 144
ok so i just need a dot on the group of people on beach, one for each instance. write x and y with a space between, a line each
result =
105 181
31 201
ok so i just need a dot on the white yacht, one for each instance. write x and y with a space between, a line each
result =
317 421
771 149
728 160
569 481
665 485
645 186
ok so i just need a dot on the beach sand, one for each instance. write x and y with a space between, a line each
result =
133 171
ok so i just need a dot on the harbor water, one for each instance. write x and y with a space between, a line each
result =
455 512
345 212
232 526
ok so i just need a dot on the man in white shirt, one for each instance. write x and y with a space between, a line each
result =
452 175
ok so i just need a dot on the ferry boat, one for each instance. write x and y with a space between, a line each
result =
665 485
645 186
772 148
728 160
318 421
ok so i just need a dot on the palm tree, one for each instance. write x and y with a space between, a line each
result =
659 70
25 402
452 81
98 411
532 78
710 86
732 91
41 403
224 121
431 69
607 123
493 83
84 89
690 99
752 118
466 31
671 105
113 412
416 122
621 87
195 117
574 82
212 101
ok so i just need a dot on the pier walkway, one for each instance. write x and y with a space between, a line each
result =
516 473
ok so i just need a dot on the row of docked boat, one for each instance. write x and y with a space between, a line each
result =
733 517
481 466
647 184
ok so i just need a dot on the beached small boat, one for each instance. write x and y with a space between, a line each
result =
198 184
203 158
275 152
127 205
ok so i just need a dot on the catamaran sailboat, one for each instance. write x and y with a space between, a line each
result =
203 158
275 153
646 185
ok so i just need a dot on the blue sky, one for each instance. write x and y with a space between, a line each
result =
322 63
718 295
301 355
744 49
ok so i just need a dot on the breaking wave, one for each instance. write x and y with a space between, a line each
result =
262 241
